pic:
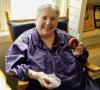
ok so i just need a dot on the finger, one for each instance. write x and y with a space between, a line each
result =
44 84
81 44
47 84
79 47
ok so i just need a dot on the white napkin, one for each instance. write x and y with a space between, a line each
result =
54 80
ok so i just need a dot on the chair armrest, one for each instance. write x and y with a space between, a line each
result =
3 83
22 85
91 67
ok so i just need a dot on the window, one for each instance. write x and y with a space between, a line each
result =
25 9
4 5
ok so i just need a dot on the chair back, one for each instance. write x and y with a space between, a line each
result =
17 27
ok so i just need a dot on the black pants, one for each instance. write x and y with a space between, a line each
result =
87 84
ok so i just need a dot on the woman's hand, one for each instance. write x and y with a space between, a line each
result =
49 81
78 49
76 46
44 80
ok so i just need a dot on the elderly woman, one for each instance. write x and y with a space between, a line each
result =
43 57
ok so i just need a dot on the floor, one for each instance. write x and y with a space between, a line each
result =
98 81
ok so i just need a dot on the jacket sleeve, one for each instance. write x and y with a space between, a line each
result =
83 57
16 61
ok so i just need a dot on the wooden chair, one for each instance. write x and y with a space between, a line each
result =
18 25
3 83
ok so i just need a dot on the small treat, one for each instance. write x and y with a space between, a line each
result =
47 81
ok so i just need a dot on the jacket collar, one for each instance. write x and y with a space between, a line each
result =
37 40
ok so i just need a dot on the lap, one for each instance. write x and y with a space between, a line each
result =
87 84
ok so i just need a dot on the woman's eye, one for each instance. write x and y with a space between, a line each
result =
53 18
44 18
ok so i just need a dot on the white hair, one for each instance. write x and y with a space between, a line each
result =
47 6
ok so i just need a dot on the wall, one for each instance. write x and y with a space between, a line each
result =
4 45
3 49
95 2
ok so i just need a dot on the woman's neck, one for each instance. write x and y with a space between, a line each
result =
48 41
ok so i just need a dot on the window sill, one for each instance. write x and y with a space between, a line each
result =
4 37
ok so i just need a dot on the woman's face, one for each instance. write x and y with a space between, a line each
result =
47 22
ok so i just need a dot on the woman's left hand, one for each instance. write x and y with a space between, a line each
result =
78 50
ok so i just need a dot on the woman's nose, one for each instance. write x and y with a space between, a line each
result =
48 21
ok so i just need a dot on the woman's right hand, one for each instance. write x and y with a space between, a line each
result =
44 80
49 81
40 76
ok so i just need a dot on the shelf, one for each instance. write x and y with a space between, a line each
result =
91 33
94 48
